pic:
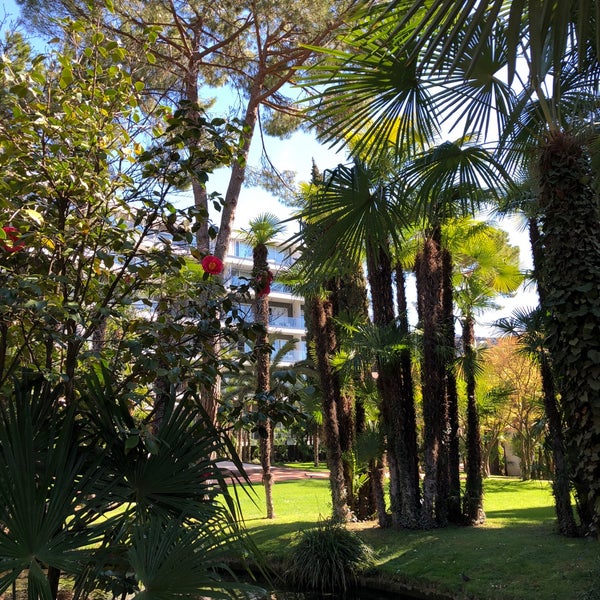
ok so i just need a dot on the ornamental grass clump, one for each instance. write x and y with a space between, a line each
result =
328 558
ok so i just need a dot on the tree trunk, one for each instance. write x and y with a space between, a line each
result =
561 485
451 437
325 345
316 448
429 270
397 408
350 300
570 276
473 500
238 173
211 394
263 360
377 471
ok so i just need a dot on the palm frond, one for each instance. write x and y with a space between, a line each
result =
50 488
351 210
429 29
392 107
454 178
262 229
173 561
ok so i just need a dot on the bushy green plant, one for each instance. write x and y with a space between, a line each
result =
85 495
328 558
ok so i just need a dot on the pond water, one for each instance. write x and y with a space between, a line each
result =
363 594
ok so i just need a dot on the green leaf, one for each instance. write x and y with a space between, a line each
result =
34 215
131 442
66 77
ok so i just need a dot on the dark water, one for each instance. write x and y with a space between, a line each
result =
363 594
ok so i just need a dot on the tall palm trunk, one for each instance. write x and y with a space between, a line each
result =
350 299
473 500
452 428
340 291
570 276
263 360
325 345
396 404
407 395
429 270
561 487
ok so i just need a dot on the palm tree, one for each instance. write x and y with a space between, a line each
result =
448 180
261 233
461 51
358 214
485 266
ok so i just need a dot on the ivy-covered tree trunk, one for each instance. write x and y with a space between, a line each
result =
325 345
561 486
473 499
429 270
570 276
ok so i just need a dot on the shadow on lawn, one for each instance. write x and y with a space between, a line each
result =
518 517
270 534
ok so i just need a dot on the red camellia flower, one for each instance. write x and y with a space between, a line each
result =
211 264
11 242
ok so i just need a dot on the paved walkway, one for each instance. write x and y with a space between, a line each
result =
254 472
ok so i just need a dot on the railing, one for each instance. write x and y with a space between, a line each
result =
287 322
238 280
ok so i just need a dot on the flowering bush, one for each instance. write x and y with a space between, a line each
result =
12 241
212 265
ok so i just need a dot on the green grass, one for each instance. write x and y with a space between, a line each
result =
516 555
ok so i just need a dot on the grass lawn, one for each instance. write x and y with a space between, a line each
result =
516 555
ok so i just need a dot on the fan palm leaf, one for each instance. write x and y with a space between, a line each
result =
392 107
353 209
173 561
550 28
49 490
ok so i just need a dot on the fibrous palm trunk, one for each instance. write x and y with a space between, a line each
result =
451 438
429 270
263 360
350 300
397 409
560 486
570 277
325 345
473 499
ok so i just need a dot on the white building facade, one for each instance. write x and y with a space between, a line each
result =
286 310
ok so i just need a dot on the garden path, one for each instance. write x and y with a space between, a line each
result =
254 472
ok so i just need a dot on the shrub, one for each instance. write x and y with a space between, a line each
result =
328 558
